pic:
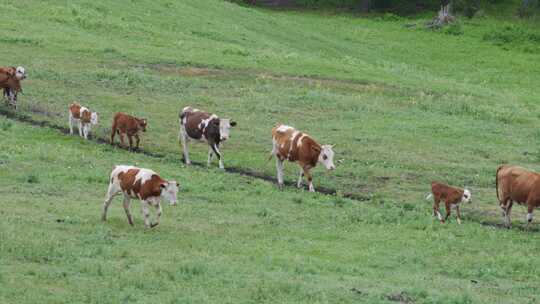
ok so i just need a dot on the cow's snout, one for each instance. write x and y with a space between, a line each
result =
174 203
223 138
332 167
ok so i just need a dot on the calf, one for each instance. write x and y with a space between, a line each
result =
83 117
143 184
127 124
295 146
451 197
517 184
10 82
203 126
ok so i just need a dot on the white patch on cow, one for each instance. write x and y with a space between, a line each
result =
20 73
291 146
529 217
326 157
94 118
224 128
439 216
82 110
144 175
204 123
466 196
429 197
299 143
283 128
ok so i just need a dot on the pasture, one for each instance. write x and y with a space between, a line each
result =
403 105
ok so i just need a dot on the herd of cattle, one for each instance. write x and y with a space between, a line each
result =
513 183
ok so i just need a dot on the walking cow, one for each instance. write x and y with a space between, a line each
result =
83 118
127 124
203 126
143 184
295 146
10 82
517 184
451 196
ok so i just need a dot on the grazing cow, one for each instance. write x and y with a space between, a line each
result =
143 184
295 146
127 124
517 184
10 82
203 126
451 196
83 117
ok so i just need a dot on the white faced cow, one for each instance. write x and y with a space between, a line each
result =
83 117
203 126
143 184
295 146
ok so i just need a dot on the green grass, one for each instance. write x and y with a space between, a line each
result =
404 106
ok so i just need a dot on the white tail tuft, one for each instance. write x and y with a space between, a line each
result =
430 196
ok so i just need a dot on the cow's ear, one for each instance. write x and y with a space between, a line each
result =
233 123
163 186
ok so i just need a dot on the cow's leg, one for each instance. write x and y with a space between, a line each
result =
506 206
299 183
70 120
138 140
113 133
158 214
309 178
279 167
448 211
215 147
111 193
530 209
436 211
458 215
184 140
126 209
80 128
130 139
146 213
210 156
86 128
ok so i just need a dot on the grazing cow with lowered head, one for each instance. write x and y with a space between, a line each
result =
295 146
451 196
517 184
10 82
127 124
143 184
83 117
203 126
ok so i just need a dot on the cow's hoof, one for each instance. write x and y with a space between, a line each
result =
280 187
153 225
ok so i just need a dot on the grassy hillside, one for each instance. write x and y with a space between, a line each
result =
404 105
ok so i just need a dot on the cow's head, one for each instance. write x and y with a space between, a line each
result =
467 198
94 118
142 124
20 73
326 157
225 125
169 190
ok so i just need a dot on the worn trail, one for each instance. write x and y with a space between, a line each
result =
22 117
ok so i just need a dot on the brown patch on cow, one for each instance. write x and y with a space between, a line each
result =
126 124
75 109
151 187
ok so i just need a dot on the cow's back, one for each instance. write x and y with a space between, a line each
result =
123 121
192 119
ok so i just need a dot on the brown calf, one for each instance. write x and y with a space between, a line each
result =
295 146
143 184
127 124
517 184
451 197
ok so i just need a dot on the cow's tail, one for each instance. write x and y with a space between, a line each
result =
497 182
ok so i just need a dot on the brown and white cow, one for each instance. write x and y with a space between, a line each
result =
127 124
83 117
295 146
143 184
203 126
517 184
10 82
451 196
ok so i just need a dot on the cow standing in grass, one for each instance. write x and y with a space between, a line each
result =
517 184
451 196
295 146
127 124
83 118
10 82
143 184
198 125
